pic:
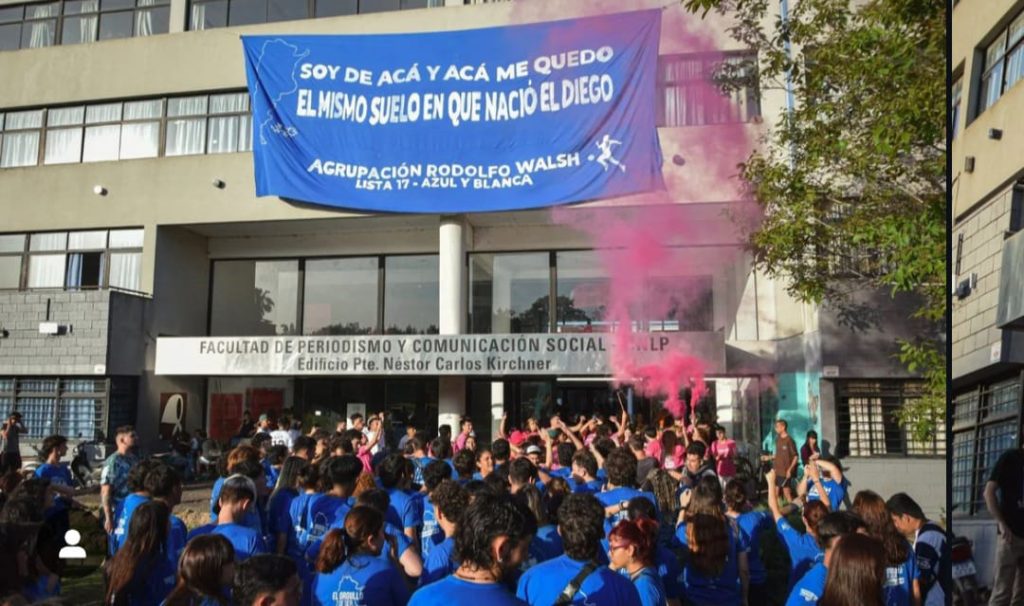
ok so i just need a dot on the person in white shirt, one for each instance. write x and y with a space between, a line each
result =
282 436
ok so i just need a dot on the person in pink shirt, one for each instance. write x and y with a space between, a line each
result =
365 450
465 430
723 450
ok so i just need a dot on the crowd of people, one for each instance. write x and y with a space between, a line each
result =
589 511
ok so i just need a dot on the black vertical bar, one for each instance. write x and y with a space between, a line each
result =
300 299
381 276
552 291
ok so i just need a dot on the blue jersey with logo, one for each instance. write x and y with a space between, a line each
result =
721 590
252 517
246 541
899 580
361 580
324 512
430 534
439 563
810 587
543 583
124 517
803 550
453 591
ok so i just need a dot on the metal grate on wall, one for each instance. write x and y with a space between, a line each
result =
868 424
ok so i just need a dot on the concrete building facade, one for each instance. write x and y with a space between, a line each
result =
131 221
987 348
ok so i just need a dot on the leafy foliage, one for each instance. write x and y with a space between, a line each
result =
852 180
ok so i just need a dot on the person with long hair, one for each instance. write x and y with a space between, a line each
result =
902 576
664 487
142 572
546 544
717 571
491 541
205 571
803 547
832 528
856 573
285 491
751 524
810 450
348 569
631 551
665 560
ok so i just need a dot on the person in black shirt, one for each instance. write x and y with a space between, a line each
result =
1004 497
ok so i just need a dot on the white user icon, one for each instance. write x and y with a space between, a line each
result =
72 551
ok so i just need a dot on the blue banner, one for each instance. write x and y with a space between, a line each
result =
464 121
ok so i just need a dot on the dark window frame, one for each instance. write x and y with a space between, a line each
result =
26 255
711 67
998 61
60 13
875 423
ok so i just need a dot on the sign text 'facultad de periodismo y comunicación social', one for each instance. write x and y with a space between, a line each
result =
535 115
563 354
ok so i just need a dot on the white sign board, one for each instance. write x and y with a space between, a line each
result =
484 355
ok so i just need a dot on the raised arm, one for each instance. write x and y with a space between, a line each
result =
572 435
773 496
501 426
833 470
815 476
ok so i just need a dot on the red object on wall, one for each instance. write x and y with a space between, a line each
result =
261 400
225 415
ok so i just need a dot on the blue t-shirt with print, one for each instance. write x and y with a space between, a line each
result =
324 512
439 563
246 541
418 465
721 590
751 524
542 584
453 591
803 550
616 496
361 580
899 580
405 509
810 587
430 534
124 518
833 489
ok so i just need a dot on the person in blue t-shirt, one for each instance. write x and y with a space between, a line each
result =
621 486
450 503
348 569
205 572
298 539
430 533
631 551
930 546
831 528
142 572
237 496
824 475
665 560
751 524
137 495
53 450
338 476
484 464
583 477
278 525
581 524
546 544
902 576
244 460
712 577
464 463
802 546
856 572
492 541
406 509
273 462
417 453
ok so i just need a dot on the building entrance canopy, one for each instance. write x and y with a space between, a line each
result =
585 354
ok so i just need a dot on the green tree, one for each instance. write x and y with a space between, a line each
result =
852 180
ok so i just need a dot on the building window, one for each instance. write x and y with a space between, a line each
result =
411 294
210 14
254 298
341 296
986 423
76 407
1004 64
80 21
955 99
509 292
78 260
867 421
125 130
684 81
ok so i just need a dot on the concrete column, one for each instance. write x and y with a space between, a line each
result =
178 16
452 237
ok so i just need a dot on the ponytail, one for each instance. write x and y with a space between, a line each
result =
361 524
